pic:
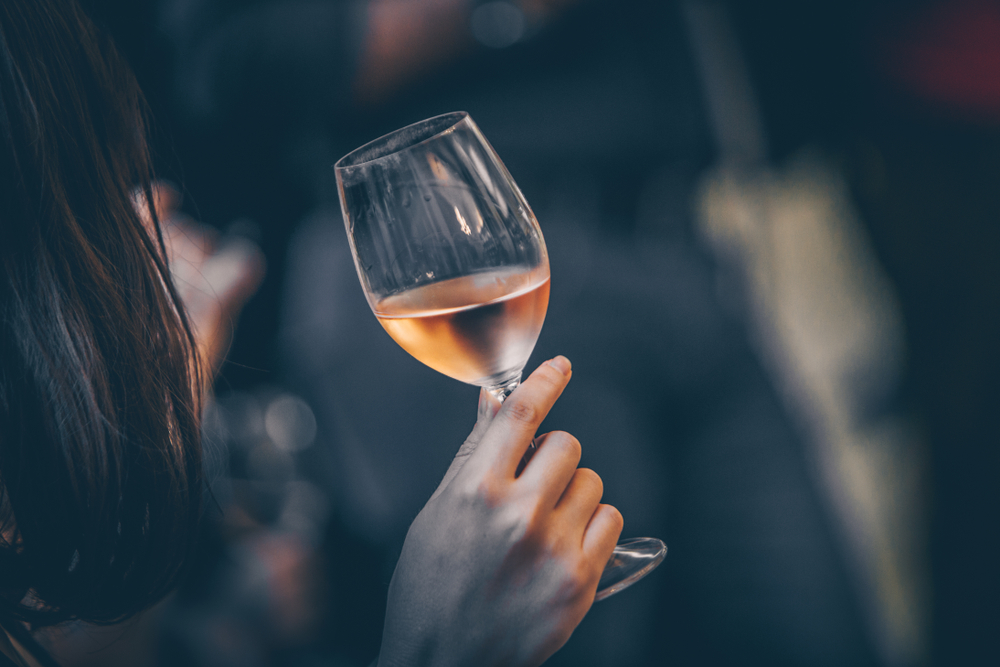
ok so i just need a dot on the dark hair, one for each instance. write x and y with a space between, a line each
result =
100 459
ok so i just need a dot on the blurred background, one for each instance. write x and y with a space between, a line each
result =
773 231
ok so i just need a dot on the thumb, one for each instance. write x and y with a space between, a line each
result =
488 408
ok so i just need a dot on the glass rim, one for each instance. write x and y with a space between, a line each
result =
395 142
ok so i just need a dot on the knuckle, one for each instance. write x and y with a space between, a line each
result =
592 480
566 442
525 528
484 491
521 412
467 448
614 516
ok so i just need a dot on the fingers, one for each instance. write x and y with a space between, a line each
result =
579 501
601 535
552 468
507 439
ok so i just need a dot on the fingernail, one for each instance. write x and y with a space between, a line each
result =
561 364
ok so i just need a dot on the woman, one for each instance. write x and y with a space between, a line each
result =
100 393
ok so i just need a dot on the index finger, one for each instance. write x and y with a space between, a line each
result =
507 439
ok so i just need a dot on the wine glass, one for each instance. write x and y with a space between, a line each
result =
454 266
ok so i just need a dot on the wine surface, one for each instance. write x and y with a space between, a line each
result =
479 329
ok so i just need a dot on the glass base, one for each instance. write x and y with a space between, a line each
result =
632 560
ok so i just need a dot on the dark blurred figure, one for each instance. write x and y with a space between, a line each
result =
906 95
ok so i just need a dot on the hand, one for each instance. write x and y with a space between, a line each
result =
498 569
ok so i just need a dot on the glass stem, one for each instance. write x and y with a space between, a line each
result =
503 390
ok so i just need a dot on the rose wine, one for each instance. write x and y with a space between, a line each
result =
479 329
